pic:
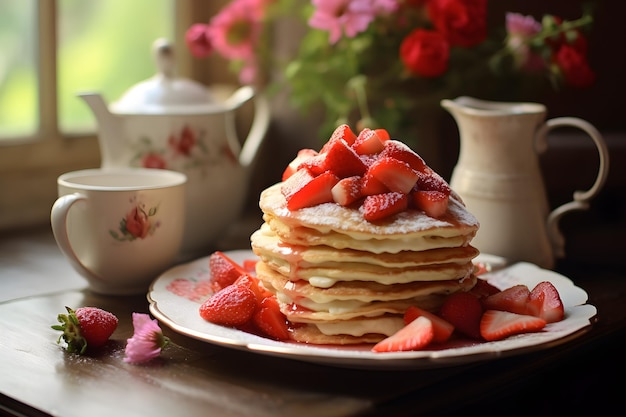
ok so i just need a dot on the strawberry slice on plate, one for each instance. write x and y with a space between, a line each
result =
270 320
224 270
545 302
415 335
513 299
463 310
231 306
442 330
497 325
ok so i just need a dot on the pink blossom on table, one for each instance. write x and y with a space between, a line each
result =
520 30
337 17
236 29
147 340
198 41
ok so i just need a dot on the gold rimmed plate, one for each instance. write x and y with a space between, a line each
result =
175 296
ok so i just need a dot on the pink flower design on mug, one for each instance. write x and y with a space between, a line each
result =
136 224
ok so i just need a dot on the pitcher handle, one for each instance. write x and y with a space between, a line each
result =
581 198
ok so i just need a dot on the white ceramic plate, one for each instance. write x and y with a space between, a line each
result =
179 310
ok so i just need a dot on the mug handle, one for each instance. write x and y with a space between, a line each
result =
581 198
58 220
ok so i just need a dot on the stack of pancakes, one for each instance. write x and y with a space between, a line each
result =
342 280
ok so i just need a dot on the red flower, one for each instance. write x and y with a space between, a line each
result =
462 22
137 223
198 41
185 143
153 160
574 67
425 53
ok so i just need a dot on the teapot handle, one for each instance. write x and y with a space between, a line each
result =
258 130
581 198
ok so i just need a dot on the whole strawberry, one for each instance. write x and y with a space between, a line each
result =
86 327
233 305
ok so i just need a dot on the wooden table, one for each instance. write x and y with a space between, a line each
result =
194 378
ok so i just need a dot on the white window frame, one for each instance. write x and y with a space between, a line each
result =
29 166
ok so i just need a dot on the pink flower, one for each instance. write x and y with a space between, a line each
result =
520 30
198 41
235 30
342 16
520 26
147 340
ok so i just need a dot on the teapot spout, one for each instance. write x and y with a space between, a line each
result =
109 127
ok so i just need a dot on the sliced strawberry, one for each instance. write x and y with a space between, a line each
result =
347 190
315 164
224 270
342 160
483 288
434 203
545 302
270 320
368 143
497 325
249 265
442 330
429 180
397 175
415 335
252 283
398 150
370 185
302 156
513 299
343 132
231 306
383 134
463 310
302 189
380 206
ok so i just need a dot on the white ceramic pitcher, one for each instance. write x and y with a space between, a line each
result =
499 178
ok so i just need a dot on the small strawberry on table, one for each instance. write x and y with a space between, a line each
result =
85 328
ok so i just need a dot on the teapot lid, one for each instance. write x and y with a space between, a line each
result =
164 93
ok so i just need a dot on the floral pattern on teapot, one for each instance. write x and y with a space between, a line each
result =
138 223
184 150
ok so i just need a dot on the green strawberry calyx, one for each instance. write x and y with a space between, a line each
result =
72 336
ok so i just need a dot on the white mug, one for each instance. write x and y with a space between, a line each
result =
120 228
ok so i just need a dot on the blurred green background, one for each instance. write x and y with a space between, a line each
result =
103 46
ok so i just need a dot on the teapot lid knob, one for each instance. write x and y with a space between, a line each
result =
163 52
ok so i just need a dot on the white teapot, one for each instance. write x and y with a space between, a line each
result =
177 124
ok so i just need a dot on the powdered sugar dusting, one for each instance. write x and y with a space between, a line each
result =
330 216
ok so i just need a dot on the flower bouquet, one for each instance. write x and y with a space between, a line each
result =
378 63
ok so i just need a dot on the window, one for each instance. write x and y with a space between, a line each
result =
53 49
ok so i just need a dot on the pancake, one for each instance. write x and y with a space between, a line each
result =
342 227
269 246
342 275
